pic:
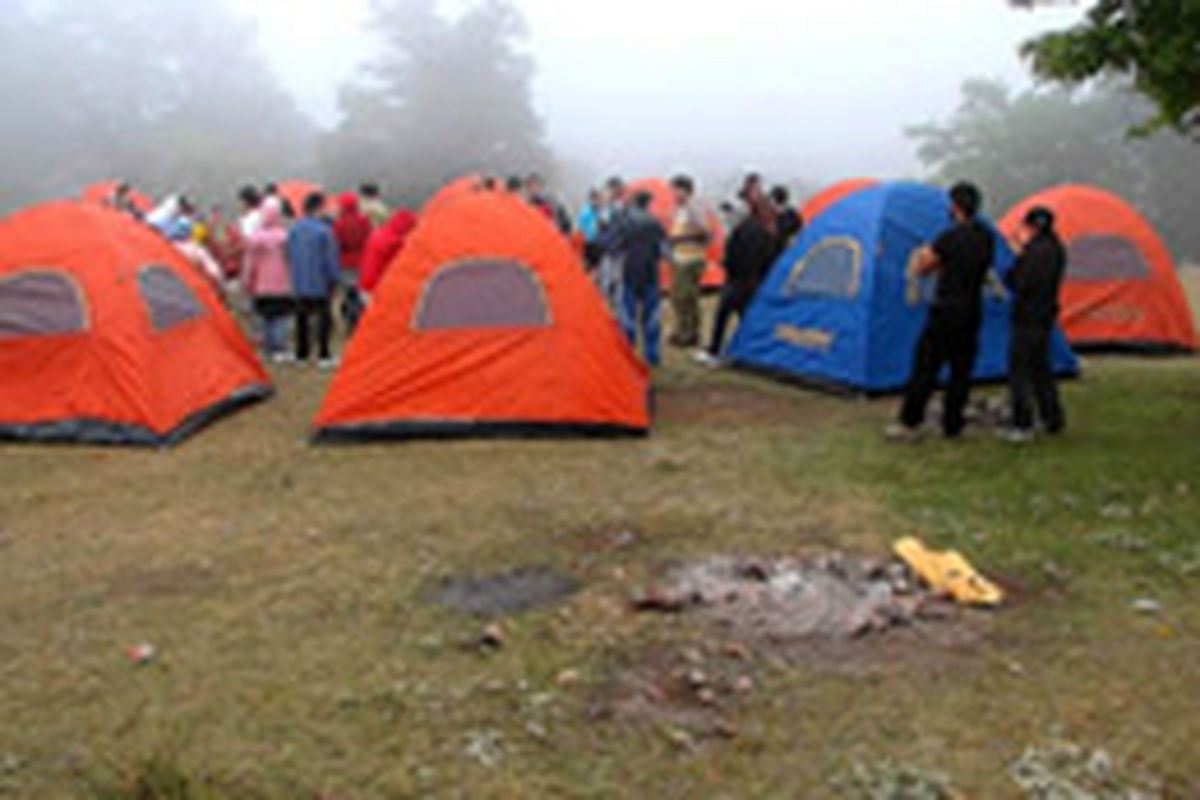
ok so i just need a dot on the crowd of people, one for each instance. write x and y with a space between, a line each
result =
291 264
625 244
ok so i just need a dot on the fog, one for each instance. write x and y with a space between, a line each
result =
816 90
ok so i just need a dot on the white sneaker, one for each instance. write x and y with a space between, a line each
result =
706 359
1017 436
898 432
328 363
283 358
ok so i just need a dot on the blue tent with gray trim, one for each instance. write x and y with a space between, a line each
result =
845 308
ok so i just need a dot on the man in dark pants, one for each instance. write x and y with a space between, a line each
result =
641 241
749 254
1035 282
961 258
315 265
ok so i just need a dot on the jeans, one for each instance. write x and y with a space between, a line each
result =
951 337
641 308
273 314
685 299
1031 378
306 309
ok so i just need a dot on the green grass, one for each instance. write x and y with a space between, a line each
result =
284 586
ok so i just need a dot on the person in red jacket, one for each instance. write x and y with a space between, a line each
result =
352 229
382 248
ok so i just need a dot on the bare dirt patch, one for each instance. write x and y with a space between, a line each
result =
728 404
162 583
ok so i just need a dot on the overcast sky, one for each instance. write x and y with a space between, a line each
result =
813 89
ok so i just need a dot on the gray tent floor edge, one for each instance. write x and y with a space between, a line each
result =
445 431
1140 349
117 434
849 392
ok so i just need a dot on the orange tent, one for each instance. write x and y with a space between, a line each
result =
108 336
453 191
103 193
1122 289
664 208
830 195
486 325
296 192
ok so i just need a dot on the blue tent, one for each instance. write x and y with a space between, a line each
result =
843 307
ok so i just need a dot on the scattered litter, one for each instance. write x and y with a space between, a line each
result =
141 655
1069 771
949 573
506 593
485 747
834 596
492 637
890 781
1146 605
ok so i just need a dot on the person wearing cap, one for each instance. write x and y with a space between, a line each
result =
1035 282
960 258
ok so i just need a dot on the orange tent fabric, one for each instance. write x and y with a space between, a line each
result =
296 192
452 191
1122 288
664 208
108 336
486 325
103 192
830 195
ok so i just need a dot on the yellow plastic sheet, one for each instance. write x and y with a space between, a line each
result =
948 573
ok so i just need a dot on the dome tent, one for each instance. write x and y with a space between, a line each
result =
1122 288
486 325
844 307
831 195
108 336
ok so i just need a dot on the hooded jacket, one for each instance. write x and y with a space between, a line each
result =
266 271
383 247
352 229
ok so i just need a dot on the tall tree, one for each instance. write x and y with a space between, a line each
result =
445 97
1018 144
1154 43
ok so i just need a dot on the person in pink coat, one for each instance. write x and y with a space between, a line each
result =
268 281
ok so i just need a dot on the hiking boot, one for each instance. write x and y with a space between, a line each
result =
899 432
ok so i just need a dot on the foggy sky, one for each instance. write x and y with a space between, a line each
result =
799 88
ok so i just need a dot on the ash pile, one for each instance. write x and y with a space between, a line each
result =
834 596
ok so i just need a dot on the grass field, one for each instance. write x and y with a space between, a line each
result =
286 587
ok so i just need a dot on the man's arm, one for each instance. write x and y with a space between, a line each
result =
927 261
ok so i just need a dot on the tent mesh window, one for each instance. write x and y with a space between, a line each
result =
482 293
831 269
40 303
1105 258
169 301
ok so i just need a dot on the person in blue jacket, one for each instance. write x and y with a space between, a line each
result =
315 265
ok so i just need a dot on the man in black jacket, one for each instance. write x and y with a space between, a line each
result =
1035 282
641 241
749 254
961 258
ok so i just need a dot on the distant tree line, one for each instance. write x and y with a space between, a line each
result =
170 94
445 97
1016 144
